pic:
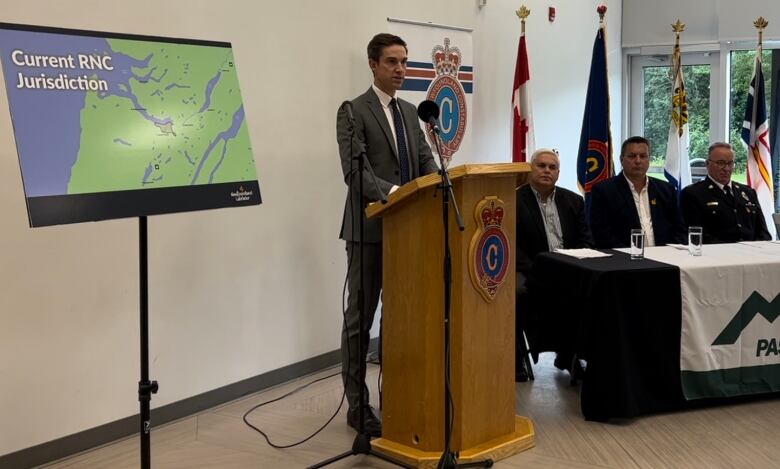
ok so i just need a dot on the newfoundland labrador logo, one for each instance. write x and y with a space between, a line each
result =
752 307
241 194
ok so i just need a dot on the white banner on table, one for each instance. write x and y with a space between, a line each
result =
441 69
730 340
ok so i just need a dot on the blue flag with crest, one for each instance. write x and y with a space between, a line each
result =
594 158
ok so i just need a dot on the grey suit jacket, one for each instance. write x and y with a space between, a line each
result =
372 130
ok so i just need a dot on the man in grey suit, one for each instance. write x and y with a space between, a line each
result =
397 152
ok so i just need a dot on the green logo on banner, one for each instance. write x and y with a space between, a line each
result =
754 305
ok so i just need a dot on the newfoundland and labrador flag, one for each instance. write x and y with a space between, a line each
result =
594 158
755 135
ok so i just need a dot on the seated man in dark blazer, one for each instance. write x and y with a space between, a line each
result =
548 218
632 200
728 212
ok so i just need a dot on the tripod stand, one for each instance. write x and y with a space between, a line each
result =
145 387
449 458
362 442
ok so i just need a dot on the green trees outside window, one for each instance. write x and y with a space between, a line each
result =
657 105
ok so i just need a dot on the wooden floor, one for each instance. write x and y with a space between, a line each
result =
745 435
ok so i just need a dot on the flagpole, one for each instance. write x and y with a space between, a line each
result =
522 13
755 128
760 23
678 28
677 169
594 155
521 134
602 11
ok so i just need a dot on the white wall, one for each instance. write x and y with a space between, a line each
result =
560 56
236 293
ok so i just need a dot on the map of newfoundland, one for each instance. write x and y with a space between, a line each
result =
168 120
104 114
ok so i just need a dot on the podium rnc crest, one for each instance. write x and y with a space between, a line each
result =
489 251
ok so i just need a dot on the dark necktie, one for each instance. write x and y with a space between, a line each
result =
729 194
400 139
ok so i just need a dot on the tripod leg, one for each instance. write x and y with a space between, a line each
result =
355 344
483 463
330 461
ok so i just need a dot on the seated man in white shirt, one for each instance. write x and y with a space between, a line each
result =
631 200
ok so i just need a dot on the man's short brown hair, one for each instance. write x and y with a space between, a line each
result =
380 41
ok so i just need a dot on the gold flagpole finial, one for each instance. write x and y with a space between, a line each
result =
601 10
761 23
678 28
523 13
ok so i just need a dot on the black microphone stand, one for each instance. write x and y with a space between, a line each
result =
362 443
449 458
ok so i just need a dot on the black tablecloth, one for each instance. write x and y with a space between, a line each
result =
623 318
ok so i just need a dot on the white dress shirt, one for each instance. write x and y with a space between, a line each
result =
551 219
721 186
642 202
384 100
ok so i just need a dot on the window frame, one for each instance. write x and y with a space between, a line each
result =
655 57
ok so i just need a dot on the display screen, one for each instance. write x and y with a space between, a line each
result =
113 125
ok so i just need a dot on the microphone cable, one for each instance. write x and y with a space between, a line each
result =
349 177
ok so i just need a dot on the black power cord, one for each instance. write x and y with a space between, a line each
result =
350 178
299 388
302 387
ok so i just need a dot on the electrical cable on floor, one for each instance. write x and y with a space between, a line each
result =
299 388
350 175
277 446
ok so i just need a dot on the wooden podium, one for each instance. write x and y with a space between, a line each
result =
482 325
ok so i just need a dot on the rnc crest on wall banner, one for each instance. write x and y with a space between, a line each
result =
440 69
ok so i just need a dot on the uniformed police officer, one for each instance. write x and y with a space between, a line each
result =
727 211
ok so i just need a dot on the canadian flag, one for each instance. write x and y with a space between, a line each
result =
522 121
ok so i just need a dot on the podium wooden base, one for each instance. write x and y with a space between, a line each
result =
522 439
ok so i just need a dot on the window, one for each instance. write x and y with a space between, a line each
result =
658 109
651 87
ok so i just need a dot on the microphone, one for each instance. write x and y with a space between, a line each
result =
347 107
428 112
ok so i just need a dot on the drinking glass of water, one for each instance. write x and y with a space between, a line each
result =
637 250
694 240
